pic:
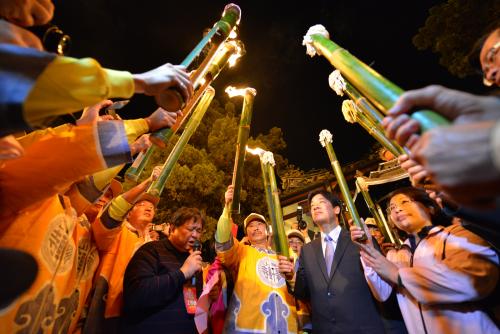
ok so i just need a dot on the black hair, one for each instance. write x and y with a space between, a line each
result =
438 217
184 214
473 55
334 200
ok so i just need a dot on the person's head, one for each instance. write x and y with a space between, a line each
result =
93 211
296 240
374 230
82 202
141 215
256 229
325 207
489 58
186 227
410 209
115 188
385 155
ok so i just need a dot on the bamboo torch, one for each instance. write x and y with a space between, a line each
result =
228 54
243 133
325 138
342 86
352 115
157 186
214 40
381 222
398 240
273 202
380 91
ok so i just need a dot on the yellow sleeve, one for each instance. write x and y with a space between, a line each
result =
223 232
118 208
134 128
231 256
69 84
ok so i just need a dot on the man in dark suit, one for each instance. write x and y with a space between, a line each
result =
330 275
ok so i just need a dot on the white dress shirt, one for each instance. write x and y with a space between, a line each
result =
334 234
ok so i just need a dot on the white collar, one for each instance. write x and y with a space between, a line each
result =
334 234
141 234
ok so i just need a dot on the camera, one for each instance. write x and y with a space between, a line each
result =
300 222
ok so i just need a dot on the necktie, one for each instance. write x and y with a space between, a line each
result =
328 254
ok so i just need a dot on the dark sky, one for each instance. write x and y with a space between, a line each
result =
292 88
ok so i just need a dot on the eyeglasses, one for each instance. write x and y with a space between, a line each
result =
403 203
292 242
489 60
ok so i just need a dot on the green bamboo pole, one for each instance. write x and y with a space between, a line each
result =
380 91
140 162
241 143
352 115
218 34
213 40
273 204
386 231
325 138
342 86
162 137
210 72
157 186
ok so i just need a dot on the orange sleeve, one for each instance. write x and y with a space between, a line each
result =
56 160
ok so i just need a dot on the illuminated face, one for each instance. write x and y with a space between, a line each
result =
322 210
104 199
92 211
408 215
141 215
376 234
256 232
490 60
295 244
184 236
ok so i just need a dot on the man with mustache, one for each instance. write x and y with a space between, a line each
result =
260 300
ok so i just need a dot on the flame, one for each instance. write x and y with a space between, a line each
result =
233 91
236 55
255 151
233 34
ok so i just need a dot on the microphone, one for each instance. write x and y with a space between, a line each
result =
196 247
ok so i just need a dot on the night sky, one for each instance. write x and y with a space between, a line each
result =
292 88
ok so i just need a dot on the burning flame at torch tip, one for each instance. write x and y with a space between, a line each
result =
233 34
234 57
255 151
233 91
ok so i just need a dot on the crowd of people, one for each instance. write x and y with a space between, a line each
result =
80 255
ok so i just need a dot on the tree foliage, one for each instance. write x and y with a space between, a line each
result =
205 168
452 30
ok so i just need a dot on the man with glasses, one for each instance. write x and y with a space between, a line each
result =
296 240
488 57
462 160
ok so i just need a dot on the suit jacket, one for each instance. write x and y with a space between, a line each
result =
341 302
